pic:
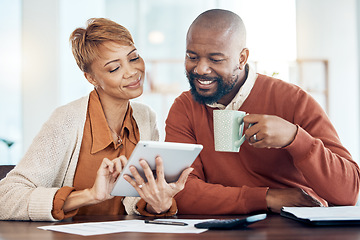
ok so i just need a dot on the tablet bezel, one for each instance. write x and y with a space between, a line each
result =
176 157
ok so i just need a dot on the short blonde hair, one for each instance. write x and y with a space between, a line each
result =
85 42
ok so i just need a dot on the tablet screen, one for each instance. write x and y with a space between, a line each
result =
176 157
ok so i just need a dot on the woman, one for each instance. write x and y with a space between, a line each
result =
67 169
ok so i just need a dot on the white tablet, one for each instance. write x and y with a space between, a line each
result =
176 157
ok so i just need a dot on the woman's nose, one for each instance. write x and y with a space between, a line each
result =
129 71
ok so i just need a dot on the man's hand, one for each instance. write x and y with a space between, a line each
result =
271 131
289 197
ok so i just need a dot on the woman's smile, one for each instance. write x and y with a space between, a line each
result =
135 84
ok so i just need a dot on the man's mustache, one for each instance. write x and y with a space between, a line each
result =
193 76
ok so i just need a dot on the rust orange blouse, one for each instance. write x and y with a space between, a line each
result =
97 143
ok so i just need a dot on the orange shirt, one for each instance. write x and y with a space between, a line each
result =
236 183
97 143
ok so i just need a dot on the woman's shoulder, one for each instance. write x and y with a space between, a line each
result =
74 106
71 112
139 107
142 112
145 118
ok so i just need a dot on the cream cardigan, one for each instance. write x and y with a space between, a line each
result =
28 190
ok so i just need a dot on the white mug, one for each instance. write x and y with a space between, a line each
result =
228 130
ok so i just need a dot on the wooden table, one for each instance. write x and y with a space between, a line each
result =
274 227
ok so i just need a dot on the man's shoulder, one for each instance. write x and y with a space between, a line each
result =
186 98
186 95
275 84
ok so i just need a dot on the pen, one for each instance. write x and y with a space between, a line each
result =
166 222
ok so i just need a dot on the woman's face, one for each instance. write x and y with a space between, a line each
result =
118 73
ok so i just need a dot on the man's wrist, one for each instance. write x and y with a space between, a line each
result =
268 200
160 210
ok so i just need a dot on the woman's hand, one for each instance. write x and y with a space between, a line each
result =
156 192
106 176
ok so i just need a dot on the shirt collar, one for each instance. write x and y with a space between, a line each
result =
242 94
100 131
128 129
101 134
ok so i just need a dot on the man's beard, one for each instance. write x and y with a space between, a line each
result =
222 88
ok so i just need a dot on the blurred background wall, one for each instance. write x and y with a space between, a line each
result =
315 44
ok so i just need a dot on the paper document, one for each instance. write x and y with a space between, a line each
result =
97 228
325 213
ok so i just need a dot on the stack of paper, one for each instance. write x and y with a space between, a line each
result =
324 215
96 228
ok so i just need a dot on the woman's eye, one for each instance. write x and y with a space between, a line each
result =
111 71
134 59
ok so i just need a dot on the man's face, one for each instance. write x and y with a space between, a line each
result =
211 63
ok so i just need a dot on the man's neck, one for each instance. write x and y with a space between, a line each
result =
225 100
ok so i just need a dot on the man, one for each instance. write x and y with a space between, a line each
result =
292 156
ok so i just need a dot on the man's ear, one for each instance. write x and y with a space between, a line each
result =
244 55
90 79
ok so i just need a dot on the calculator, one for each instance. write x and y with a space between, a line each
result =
230 223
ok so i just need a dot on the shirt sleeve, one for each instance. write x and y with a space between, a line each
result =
327 167
199 196
28 192
59 201
141 209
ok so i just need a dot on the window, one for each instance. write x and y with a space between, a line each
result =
159 29
10 82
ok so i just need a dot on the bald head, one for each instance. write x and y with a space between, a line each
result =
221 21
216 56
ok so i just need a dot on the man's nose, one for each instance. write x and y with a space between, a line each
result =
202 68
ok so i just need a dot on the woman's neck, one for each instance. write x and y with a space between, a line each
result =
114 110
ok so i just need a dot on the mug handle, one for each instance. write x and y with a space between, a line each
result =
242 139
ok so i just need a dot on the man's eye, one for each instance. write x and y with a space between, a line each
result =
111 71
217 60
190 57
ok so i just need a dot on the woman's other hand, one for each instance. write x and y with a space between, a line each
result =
156 192
106 176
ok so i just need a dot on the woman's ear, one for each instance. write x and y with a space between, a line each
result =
244 55
90 79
